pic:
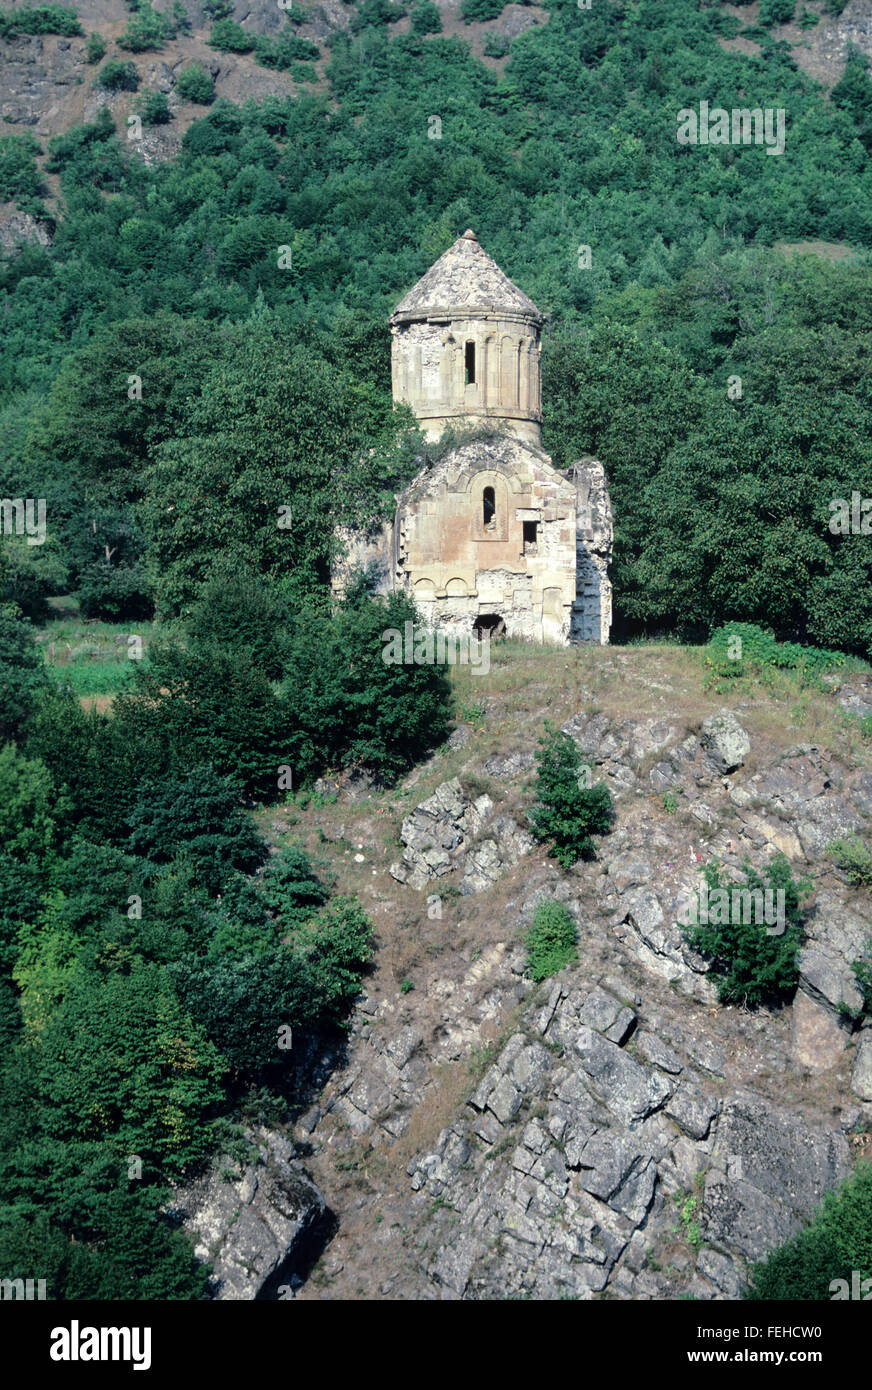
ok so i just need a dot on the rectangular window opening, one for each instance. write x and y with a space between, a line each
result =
530 532
470 364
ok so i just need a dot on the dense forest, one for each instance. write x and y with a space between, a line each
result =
202 349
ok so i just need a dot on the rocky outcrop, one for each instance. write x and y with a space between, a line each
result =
444 833
564 1169
725 741
252 1223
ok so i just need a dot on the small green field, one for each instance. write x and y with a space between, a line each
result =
93 657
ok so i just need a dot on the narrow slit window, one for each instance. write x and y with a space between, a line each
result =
470 364
530 536
489 507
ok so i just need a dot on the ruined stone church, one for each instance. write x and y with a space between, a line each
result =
491 537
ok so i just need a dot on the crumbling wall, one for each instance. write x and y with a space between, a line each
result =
592 609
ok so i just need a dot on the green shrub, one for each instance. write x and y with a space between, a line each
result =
749 964
737 649
565 813
837 1242
290 887
19 173
198 819
28 829
195 84
496 46
117 76
242 1003
426 18
776 12
95 48
551 940
855 858
481 9
146 30
42 19
337 945
22 673
154 110
229 37
238 611
284 52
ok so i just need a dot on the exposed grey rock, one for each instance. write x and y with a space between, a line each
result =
437 828
861 1077
625 1087
504 1100
654 1050
816 1041
605 1014
490 858
251 1228
769 1172
692 1110
605 1162
824 819
725 741
629 870
828 978
722 1272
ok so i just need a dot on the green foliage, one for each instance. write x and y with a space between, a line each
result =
22 673
238 611
551 940
854 856
496 46
278 442
566 814
426 18
351 707
229 37
837 1242
284 52
146 30
154 108
290 888
195 84
242 1003
670 803
206 705
41 19
739 649
27 824
336 945
776 12
95 48
199 820
118 76
481 9
752 964
19 175
853 93
375 14
120 1059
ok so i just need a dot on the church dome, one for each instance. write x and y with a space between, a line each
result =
465 282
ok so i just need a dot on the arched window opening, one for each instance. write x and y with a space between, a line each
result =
489 508
470 364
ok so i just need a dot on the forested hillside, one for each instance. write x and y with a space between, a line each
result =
265 258
195 377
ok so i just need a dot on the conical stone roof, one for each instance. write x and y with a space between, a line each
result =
465 281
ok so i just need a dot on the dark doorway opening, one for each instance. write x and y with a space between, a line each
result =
490 625
530 536
470 364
